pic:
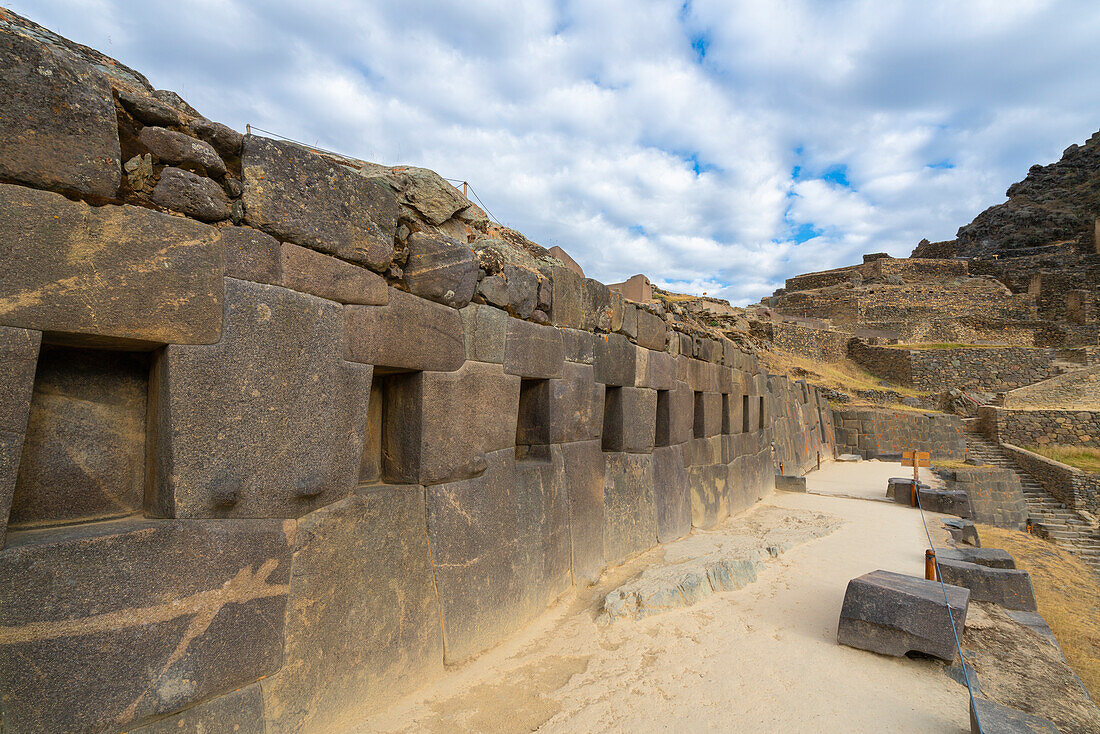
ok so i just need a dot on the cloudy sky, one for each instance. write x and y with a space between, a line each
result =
715 146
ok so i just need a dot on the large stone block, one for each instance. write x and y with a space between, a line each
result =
57 119
707 414
84 453
671 494
595 306
615 357
485 330
179 149
1007 587
681 413
710 495
453 420
441 270
304 198
239 712
579 346
630 516
576 405
630 419
111 271
585 469
362 622
893 614
309 271
533 351
652 332
542 517
107 626
252 255
18 359
474 539
191 194
987 717
566 304
239 422
408 334
653 369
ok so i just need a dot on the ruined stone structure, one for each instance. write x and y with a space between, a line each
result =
287 432
1041 427
873 432
994 369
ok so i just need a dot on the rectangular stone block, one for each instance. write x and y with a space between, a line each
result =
567 299
710 496
595 306
652 332
579 346
18 359
584 467
615 357
707 414
671 494
542 517
110 625
408 334
630 515
576 405
531 350
84 453
474 539
629 326
484 329
107 273
1006 587
363 621
653 369
630 419
308 271
681 413
252 255
239 421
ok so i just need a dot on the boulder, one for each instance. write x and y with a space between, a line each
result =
409 333
441 270
652 332
1006 587
963 531
120 272
515 289
179 149
894 614
191 194
429 194
302 197
147 109
595 306
789 483
568 296
57 119
991 557
225 140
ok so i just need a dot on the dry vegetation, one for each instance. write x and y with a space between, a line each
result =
958 464
1068 595
949 345
1085 458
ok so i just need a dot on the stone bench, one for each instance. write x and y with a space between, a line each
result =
894 614
1006 587
945 501
900 489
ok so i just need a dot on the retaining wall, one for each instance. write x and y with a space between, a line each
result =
871 432
994 369
996 496
1076 489
822 345
284 433
1041 427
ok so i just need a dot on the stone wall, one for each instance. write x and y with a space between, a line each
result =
821 345
1076 489
1041 427
1079 389
994 369
286 433
996 496
878 269
872 432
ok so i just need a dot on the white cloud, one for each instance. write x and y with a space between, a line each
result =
582 124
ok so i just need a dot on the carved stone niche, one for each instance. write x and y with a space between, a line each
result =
84 454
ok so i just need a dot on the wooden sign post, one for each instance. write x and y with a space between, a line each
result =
915 459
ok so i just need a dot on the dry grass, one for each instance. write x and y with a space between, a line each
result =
1068 595
1085 458
958 464
951 345
844 375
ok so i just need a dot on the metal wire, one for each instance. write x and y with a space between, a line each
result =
950 616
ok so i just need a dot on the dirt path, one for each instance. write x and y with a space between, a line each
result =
763 658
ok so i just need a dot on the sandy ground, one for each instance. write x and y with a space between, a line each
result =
862 479
760 659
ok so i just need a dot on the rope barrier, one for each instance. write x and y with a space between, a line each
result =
950 616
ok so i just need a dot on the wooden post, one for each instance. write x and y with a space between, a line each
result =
930 564
819 461
464 190
247 129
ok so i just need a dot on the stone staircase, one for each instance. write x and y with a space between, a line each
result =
1049 517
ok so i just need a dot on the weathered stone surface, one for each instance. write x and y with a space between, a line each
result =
113 624
474 538
576 405
441 270
892 614
18 359
652 332
630 419
653 369
238 425
790 483
191 194
595 306
584 481
521 291
630 516
363 622
671 494
239 712
542 516
84 452
147 109
429 194
111 271
409 333
579 346
252 255
303 198
225 140
963 531
710 493
567 299
182 150
707 414
994 717
615 357
484 329
617 307
57 120
681 405
630 321
1007 587
533 351
454 420
991 557
309 271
